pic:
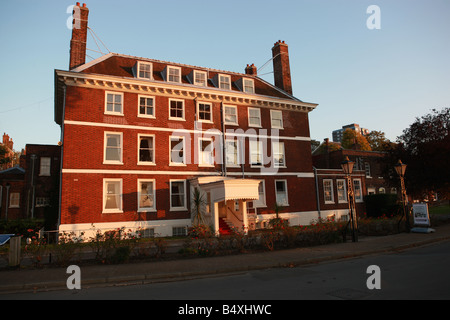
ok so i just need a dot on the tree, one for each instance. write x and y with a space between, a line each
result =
425 148
351 137
4 157
378 141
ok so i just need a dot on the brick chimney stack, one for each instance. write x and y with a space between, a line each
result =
251 70
281 68
79 36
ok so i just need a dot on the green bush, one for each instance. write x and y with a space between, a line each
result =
378 205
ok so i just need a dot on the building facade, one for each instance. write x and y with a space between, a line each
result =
139 136
338 134
29 190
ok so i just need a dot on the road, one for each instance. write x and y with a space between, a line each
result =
420 273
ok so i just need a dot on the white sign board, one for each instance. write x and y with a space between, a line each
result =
420 213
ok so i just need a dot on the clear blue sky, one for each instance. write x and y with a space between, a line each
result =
381 79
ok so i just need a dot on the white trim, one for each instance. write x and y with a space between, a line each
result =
139 114
248 114
135 85
286 187
210 112
184 110
145 209
120 209
134 127
361 197
344 183
139 63
105 140
228 82
324 184
225 106
204 173
168 68
272 112
16 196
200 152
114 113
198 83
171 163
146 163
252 85
172 208
275 164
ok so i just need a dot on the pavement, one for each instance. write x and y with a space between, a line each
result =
53 278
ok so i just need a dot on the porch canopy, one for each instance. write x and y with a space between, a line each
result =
223 189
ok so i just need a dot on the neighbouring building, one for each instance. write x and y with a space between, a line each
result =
29 189
337 134
140 135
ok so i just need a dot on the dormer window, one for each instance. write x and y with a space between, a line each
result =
248 86
173 74
143 70
200 78
224 82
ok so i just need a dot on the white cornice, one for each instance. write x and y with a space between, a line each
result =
183 91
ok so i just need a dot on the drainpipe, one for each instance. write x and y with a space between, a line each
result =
7 201
222 123
33 184
317 191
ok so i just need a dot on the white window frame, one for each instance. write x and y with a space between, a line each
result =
272 118
14 200
184 207
227 122
276 146
360 197
178 69
45 168
171 163
367 169
42 202
115 93
105 194
138 70
105 141
236 155
245 87
261 201
139 188
210 120
147 163
139 114
258 145
343 182
227 82
197 83
209 154
183 110
328 184
276 192
259 117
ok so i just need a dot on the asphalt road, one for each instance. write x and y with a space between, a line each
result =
415 274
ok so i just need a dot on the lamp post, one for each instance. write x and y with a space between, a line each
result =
347 167
400 168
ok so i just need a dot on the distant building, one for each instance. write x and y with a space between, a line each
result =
337 134
26 190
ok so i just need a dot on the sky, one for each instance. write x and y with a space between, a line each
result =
381 79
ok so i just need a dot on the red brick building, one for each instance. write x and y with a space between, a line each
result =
139 135
29 190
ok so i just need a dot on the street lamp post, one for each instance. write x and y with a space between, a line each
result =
400 168
347 167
